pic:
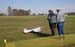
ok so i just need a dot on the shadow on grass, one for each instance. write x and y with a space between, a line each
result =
41 34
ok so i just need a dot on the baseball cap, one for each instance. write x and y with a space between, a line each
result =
58 8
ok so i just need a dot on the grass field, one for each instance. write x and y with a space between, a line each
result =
11 28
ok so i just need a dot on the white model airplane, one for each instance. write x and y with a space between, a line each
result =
38 29
26 30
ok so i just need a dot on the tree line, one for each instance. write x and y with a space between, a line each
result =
16 12
20 12
70 13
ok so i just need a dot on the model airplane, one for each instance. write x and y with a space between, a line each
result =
38 29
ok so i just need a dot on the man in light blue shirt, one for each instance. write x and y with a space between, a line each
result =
60 23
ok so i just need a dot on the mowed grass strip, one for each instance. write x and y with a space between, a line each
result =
46 42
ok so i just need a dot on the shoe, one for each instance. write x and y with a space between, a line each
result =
53 35
61 36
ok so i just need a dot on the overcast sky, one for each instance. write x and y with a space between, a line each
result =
38 6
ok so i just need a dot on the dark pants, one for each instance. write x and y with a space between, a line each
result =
60 27
52 27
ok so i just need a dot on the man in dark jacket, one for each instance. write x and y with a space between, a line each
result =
52 21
